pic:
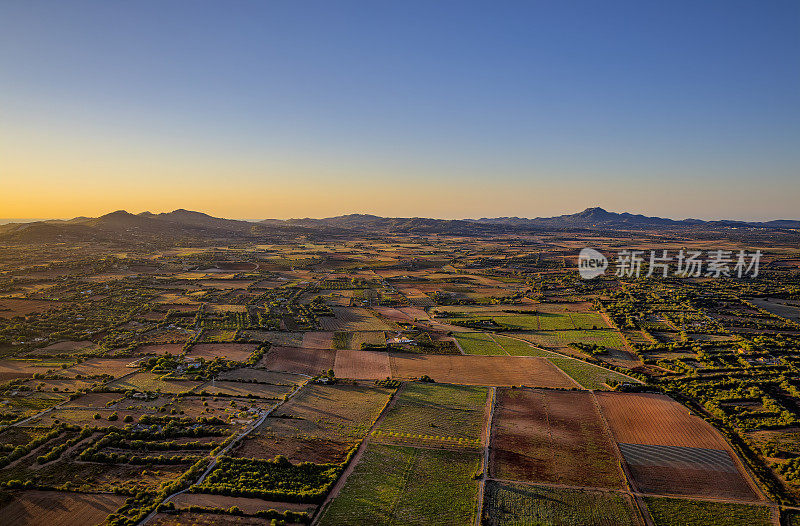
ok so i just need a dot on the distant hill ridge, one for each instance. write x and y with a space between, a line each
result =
187 224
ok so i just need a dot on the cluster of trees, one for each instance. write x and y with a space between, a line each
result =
589 348
23 449
289 516
58 450
146 505
276 479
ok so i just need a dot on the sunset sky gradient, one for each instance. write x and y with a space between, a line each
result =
415 108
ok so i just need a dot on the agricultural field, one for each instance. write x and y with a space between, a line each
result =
367 380
152 382
319 424
54 507
481 370
556 437
362 365
298 360
478 343
672 451
680 512
404 485
237 352
435 415
591 376
511 504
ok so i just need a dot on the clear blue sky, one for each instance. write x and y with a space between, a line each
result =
435 108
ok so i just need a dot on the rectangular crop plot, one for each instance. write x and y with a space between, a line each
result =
319 424
645 418
555 437
55 507
298 360
682 512
509 504
352 319
516 347
362 365
478 343
590 376
481 370
248 389
436 415
669 451
147 381
237 352
409 486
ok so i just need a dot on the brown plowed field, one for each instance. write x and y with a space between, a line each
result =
295 448
362 365
555 437
298 360
318 340
481 370
694 482
644 418
652 419
238 352
63 509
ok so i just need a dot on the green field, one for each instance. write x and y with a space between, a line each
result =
516 347
516 504
396 485
561 339
680 512
478 343
588 375
436 414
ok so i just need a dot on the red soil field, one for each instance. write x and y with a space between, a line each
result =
644 418
238 352
694 482
362 365
61 508
298 360
481 370
556 437
318 340
652 419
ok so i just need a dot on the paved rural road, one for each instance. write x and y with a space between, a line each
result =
215 458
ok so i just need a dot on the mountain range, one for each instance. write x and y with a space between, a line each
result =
188 225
